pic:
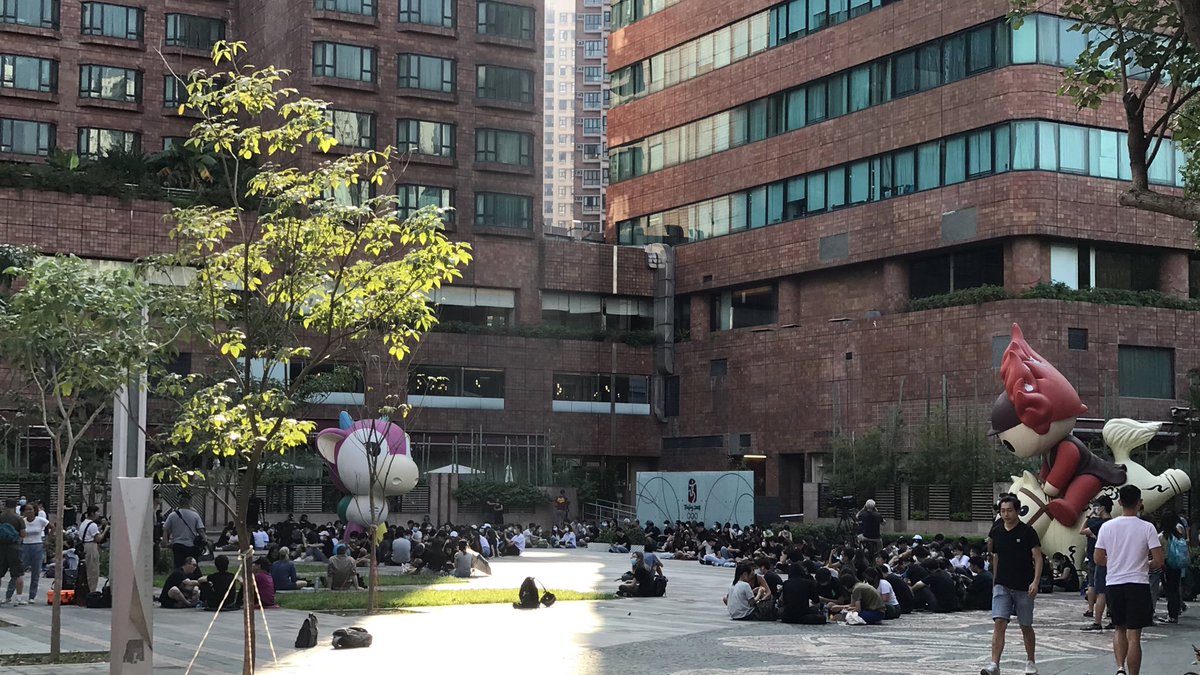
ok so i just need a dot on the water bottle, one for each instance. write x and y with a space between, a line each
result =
317 584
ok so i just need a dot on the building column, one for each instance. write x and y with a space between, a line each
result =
789 301
1173 274
895 286
1025 264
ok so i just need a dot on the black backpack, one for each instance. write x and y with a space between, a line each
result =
527 596
660 586
101 599
351 638
307 637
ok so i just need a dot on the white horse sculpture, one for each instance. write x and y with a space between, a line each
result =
1122 435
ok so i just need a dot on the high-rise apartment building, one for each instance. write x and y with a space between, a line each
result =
593 20
558 179
861 195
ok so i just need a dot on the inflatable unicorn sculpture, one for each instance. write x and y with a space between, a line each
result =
369 460
1122 436
1034 417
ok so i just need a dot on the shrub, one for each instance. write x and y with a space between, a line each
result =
966 296
636 536
916 515
476 491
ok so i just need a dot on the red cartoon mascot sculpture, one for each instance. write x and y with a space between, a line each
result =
1034 417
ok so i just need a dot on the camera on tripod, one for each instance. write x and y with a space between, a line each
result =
845 503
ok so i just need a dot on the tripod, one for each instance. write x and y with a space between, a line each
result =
846 523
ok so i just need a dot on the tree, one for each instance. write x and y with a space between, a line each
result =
1146 52
293 278
864 464
76 334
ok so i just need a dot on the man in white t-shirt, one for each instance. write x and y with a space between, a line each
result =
261 538
1126 545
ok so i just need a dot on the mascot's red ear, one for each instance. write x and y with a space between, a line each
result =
1037 390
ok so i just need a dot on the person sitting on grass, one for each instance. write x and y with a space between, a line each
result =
214 587
464 560
340 573
283 572
264 583
180 590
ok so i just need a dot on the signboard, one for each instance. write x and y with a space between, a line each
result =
696 496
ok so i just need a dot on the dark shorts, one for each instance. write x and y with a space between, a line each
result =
1096 575
1131 605
10 560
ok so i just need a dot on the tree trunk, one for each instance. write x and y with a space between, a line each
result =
56 608
373 575
245 489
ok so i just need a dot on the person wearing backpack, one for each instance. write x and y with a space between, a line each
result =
11 527
1177 559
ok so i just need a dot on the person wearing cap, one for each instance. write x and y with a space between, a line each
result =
1097 574
869 522
340 573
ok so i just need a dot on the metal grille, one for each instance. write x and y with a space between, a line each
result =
415 501
307 498
886 501
981 503
939 502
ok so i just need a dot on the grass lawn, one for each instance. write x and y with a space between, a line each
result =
385 580
44 659
330 601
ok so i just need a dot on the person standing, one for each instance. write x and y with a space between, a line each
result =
562 506
869 521
91 535
1096 594
1017 566
1129 547
1171 537
11 527
183 530
33 549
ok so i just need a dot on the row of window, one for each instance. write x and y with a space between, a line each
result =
733 43
26 137
589 311
460 382
418 71
102 19
625 12
492 209
500 19
1041 39
1012 146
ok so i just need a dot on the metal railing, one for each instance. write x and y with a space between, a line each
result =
603 509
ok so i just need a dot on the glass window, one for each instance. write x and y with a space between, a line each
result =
860 88
1024 41
353 129
508 21
342 61
795 204
26 137
979 153
194 32
929 66
99 142
818 16
1047 146
816 192
115 21
796 109
955 161
414 197
929 166
504 147
816 102
775 193
174 92
423 137
981 51
1072 149
1024 145
1047 39
836 93
752 307
428 12
758 207
110 83
38 13
904 70
860 182
1002 149
954 58
836 184
502 210
1102 153
364 7
28 73
504 84
431 73
1146 372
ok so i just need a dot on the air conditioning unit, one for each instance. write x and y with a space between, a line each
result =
580 43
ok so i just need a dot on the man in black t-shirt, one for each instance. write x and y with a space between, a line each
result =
869 522
903 591
979 593
1017 566
801 604
1097 593
942 586
180 590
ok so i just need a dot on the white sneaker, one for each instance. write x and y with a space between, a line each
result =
21 601
1031 668
992 669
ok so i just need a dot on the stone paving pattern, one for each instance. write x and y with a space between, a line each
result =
686 633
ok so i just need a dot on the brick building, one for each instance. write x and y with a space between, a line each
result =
833 174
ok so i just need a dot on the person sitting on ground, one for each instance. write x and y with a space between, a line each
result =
801 603
959 558
264 584
568 539
864 599
642 583
464 561
979 592
828 588
401 548
283 572
768 576
515 544
900 587
340 573
260 537
620 542
742 599
215 586
651 559
180 590
891 604
1066 576
942 586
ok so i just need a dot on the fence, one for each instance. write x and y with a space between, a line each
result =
925 502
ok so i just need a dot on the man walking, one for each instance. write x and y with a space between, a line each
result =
1017 566
1129 547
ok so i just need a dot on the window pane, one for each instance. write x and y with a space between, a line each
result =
979 153
956 161
1072 149
1024 42
929 67
860 88
904 68
1146 372
837 187
904 173
816 192
1002 149
954 59
1047 146
1024 145
860 182
929 166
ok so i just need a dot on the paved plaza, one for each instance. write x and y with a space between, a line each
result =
687 632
